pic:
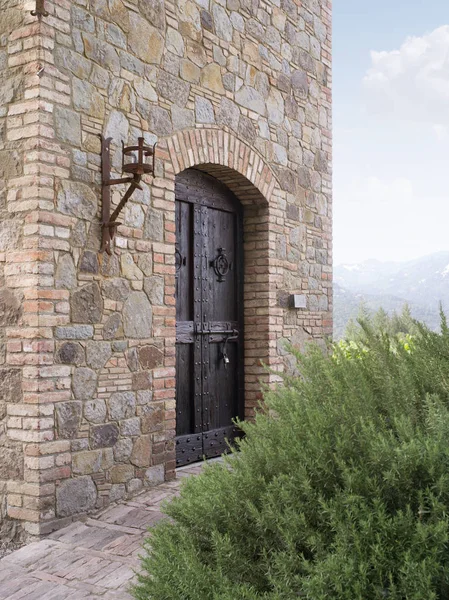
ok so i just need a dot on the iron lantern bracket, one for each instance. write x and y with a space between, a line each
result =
137 169
39 11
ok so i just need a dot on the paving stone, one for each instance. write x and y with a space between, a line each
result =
94 560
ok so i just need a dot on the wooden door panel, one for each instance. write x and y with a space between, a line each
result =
209 326
222 268
223 383
184 262
185 407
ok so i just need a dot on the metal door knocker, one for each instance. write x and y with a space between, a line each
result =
221 265
180 261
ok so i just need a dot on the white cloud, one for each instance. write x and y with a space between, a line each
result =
371 192
413 82
441 132
369 216
385 219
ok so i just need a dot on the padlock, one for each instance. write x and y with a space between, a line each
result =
226 359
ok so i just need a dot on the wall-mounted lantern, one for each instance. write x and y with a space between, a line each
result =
133 162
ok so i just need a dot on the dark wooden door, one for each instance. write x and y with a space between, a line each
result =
209 325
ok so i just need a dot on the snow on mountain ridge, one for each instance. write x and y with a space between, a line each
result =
422 282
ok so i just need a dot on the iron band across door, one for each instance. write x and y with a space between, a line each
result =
207 329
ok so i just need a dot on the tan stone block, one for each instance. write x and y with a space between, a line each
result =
141 454
189 71
121 473
211 78
144 40
251 54
196 53
86 463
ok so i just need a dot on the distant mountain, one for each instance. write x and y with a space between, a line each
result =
421 283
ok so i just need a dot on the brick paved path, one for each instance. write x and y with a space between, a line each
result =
91 559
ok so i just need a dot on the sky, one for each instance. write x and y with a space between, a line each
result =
391 129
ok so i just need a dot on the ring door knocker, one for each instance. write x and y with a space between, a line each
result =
180 261
229 338
221 265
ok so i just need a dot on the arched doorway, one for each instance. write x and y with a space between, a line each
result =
209 316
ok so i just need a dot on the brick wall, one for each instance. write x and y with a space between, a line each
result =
238 88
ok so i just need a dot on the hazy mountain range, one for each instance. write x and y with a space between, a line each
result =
421 283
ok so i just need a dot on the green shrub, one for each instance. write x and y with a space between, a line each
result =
340 491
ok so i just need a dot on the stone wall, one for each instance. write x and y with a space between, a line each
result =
241 88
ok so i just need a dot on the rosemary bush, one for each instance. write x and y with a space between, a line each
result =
340 491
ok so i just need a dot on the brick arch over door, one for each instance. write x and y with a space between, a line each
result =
247 175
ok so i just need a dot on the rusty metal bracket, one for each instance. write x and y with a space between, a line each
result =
137 169
40 11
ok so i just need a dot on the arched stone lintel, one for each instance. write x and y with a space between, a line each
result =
221 154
